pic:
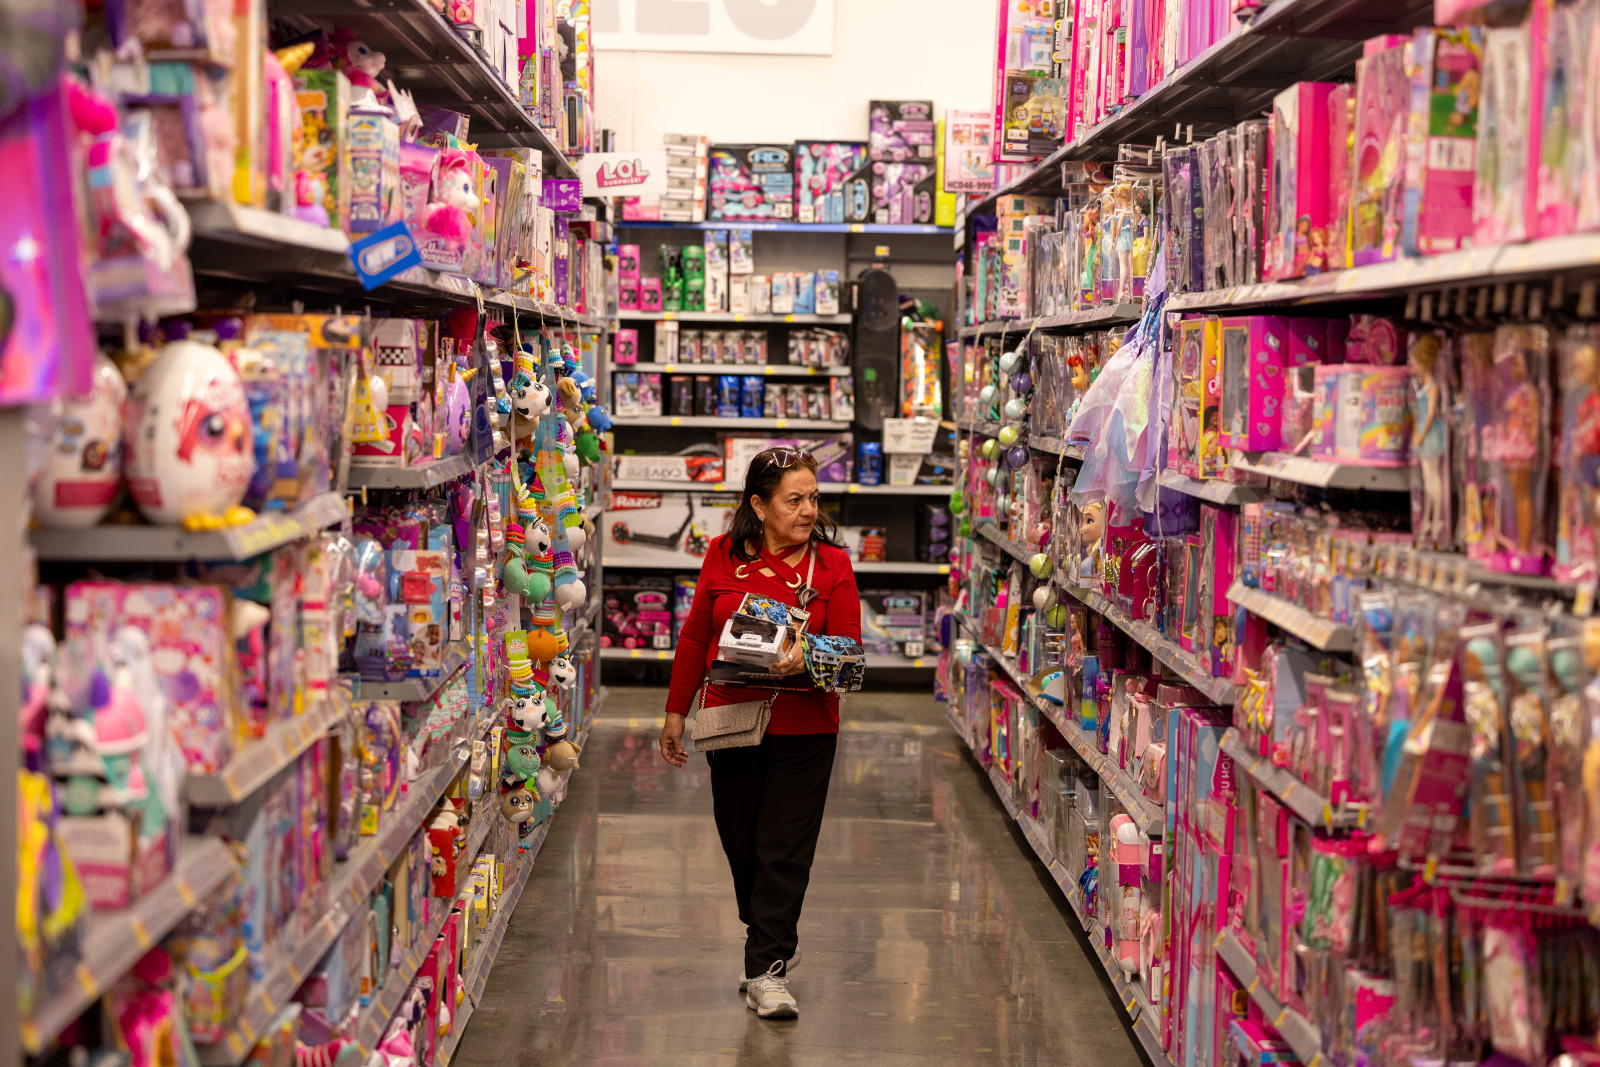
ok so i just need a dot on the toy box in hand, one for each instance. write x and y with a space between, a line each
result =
752 182
836 664
894 621
758 631
832 452
900 131
666 526
638 614
891 194
821 171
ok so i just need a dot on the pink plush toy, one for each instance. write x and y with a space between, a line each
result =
447 222
360 62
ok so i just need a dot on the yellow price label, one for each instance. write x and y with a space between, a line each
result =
944 568
782 423
770 371
1277 1024
669 367
185 894
668 316
739 317
788 318
852 488
141 936
633 653
676 421
856 227
86 980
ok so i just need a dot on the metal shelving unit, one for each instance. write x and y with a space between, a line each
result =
692 563
1090 318
413 689
1217 690
645 485
790 227
1323 473
104 544
726 318
737 424
1309 805
423 476
1304 1037
258 247
1132 995
768 369
1312 629
1017 550
115 940
438 66
1211 490
254 765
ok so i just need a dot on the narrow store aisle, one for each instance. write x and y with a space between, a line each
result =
928 937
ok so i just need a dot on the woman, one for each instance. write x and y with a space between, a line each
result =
768 798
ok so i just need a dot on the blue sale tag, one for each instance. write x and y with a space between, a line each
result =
380 256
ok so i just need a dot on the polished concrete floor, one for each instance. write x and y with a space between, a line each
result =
930 935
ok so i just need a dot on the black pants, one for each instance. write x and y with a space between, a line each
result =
768 800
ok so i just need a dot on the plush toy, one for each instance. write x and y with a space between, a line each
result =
570 591
563 675
561 756
358 61
447 221
516 806
525 710
519 767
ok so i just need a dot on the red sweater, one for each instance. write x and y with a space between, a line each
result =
836 612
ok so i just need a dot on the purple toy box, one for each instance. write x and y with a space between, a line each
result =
901 131
891 194
563 194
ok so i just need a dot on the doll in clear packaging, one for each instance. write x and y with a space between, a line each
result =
1518 447
1124 225
1489 795
1579 457
1430 445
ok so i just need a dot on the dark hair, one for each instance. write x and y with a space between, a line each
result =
762 479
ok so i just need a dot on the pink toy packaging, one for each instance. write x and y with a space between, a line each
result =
1446 75
1517 446
628 263
419 163
1377 192
821 169
1500 200
1297 211
650 294
1250 414
192 654
1217 536
625 346
1341 121
1566 193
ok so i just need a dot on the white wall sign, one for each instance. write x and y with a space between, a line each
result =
624 173
789 27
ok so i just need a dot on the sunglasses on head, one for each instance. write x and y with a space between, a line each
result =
784 458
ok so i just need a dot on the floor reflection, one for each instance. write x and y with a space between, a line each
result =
928 936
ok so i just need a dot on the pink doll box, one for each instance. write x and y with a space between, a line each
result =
1297 210
1218 527
1506 139
1442 139
190 648
1252 373
1383 92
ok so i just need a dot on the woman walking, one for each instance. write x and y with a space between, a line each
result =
768 797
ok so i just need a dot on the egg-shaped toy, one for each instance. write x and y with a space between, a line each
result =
83 469
188 438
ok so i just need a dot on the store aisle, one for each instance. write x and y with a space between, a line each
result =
928 937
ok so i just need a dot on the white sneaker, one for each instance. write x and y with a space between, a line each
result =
788 969
769 995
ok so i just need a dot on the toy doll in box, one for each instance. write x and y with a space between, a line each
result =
1377 208
1252 373
1298 206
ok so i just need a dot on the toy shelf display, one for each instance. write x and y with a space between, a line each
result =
309 600
1274 561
